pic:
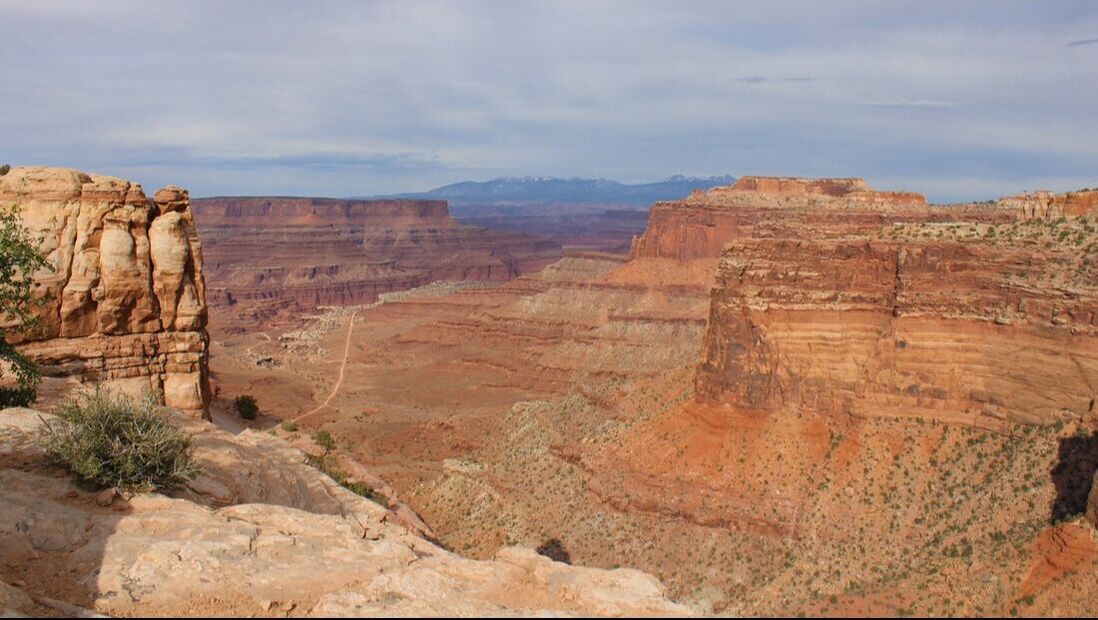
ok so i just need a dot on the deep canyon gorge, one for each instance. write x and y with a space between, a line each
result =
784 396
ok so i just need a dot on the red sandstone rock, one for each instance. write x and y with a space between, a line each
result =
1047 205
971 330
317 251
700 225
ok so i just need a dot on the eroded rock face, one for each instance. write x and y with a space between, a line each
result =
966 323
271 255
261 533
700 225
1047 205
125 301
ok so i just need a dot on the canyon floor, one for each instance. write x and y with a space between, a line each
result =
556 412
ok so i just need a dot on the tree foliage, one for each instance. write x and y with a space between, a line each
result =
19 260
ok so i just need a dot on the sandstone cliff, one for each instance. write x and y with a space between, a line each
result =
260 533
125 301
700 225
266 255
1047 205
959 322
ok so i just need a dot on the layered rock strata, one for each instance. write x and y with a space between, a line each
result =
271 255
1047 205
980 324
125 301
699 226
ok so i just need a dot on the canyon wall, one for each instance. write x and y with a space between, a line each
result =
1047 205
277 253
982 324
125 300
699 225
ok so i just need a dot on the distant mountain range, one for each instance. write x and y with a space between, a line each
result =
574 190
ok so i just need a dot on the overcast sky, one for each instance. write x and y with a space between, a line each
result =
956 99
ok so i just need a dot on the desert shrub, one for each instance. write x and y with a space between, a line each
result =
289 426
554 549
324 439
4 169
108 441
328 466
246 407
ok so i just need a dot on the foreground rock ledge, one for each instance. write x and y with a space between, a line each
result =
260 533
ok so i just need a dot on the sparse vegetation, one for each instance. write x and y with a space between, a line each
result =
289 426
329 467
324 439
4 169
109 441
246 407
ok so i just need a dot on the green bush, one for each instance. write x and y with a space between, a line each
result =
109 441
324 439
246 407
289 426
328 466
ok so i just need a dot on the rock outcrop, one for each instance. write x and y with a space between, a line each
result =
266 255
261 533
1048 205
125 301
700 225
960 322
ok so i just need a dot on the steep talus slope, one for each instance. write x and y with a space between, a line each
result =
858 436
125 301
979 336
272 255
261 533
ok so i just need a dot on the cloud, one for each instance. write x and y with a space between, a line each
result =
1081 42
354 98
758 79
914 104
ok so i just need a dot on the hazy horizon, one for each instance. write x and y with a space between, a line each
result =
959 102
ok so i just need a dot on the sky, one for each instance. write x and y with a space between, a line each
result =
959 100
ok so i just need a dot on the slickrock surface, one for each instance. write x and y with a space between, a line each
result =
126 298
262 534
269 256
